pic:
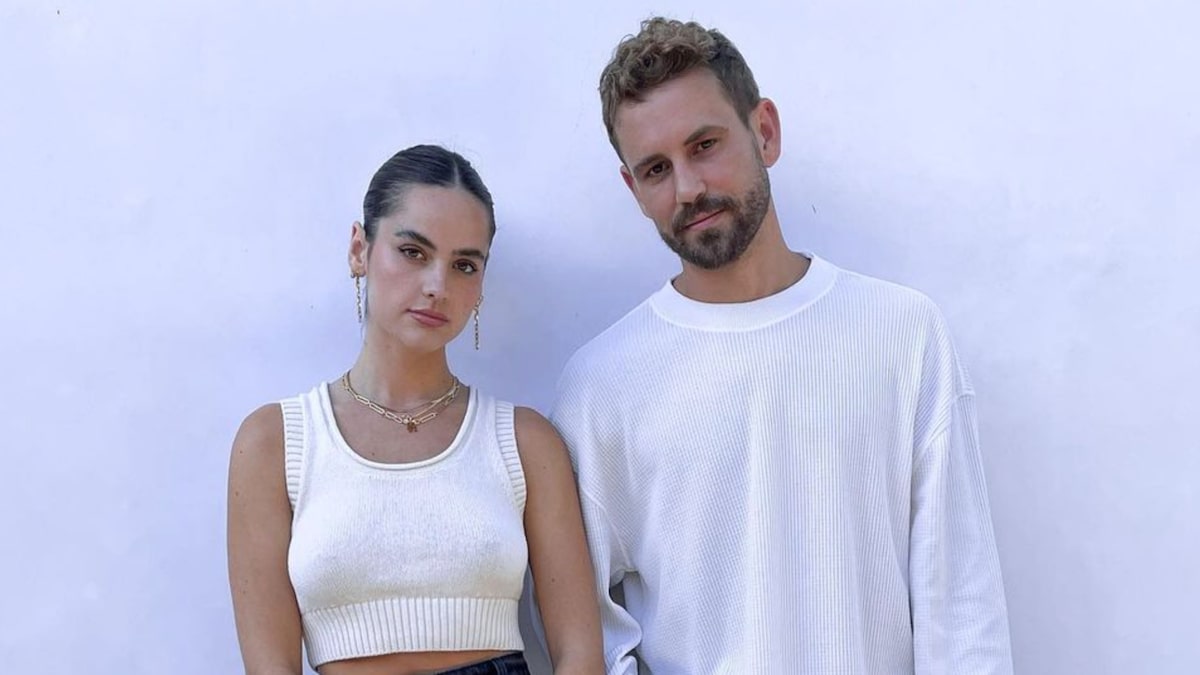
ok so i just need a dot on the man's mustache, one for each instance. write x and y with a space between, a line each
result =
704 204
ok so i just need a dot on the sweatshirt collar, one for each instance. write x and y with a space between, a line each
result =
679 309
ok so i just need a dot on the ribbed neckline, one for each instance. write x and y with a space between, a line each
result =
336 433
679 309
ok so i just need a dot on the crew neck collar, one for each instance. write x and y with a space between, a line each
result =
679 309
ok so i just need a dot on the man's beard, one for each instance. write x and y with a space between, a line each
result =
714 247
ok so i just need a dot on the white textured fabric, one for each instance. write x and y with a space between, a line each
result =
421 556
789 485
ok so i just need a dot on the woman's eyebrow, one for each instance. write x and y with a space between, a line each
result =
427 243
417 237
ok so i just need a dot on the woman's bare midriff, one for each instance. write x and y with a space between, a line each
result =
408 663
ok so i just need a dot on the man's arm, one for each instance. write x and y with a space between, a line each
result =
622 633
960 620
573 413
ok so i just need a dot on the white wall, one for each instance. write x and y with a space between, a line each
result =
178 181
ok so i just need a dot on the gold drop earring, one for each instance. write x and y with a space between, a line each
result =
477 304
357 295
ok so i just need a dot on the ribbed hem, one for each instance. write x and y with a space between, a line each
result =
681 310
411 625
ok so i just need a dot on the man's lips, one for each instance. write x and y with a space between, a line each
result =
429 317
703 221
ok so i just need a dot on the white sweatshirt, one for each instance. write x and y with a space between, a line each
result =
789 485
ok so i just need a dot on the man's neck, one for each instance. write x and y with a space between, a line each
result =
765 268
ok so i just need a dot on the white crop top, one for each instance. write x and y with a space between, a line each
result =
420 556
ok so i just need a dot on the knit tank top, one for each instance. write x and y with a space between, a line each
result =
419 556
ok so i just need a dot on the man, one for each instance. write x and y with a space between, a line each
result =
777 458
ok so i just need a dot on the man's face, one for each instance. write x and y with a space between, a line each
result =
695 169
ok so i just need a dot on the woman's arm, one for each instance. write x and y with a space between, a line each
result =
558 555
259 531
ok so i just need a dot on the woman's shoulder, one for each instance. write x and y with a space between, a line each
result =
264 429
532 432
264 423
261 433
525 420
536 436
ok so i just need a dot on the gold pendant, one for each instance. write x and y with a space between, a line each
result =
411 426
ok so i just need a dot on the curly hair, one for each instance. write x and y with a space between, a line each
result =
664 49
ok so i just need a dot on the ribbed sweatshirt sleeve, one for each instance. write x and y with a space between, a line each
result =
960 621
622 634
573 412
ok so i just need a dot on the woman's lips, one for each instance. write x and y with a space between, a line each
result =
429 318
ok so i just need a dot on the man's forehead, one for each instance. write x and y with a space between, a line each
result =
671 112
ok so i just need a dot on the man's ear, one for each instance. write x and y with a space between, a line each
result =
632 185
764 122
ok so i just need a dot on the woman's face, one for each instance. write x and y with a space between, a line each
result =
424 270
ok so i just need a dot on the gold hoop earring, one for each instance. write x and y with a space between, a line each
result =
477 323
358 296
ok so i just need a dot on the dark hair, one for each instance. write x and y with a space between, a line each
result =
665 49
421 165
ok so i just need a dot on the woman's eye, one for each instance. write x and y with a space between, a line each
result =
410 252
707 143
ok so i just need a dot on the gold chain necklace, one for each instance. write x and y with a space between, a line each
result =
410 420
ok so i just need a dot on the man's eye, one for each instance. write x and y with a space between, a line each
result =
410 252
707 143
467 267
657 169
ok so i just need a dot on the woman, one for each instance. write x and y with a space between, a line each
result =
385 518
